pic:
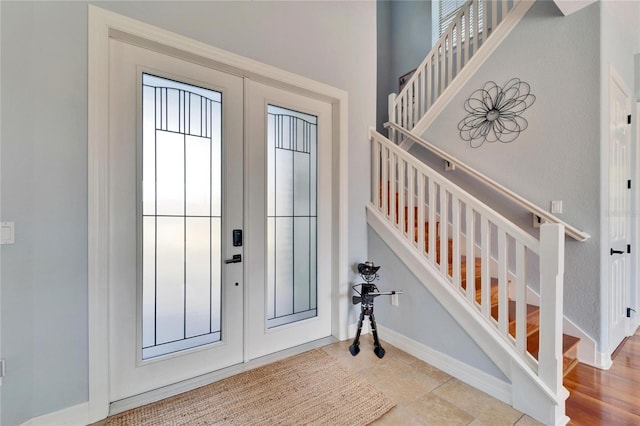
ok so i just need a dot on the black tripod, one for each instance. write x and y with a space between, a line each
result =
368 292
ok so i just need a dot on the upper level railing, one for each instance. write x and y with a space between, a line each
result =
475 21
483 256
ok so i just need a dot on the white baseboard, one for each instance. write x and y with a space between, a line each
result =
461 371
602 361
77 415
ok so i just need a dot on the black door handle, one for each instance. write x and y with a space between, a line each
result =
237 258
616 252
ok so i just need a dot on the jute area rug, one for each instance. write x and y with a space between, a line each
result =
307 389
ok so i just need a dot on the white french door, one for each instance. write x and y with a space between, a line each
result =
176 156
185 296
288 253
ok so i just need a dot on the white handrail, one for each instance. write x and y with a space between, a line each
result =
523 202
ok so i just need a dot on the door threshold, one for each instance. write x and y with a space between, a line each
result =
145 398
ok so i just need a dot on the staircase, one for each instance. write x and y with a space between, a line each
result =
492 267
532 317
483 280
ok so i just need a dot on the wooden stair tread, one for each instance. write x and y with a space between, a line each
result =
533 343
569 350
532 317
568 364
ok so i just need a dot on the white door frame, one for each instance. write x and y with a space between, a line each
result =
104 25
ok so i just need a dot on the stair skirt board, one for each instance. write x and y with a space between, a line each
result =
529 394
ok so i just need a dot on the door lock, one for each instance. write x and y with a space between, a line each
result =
237 258
612 252
237 237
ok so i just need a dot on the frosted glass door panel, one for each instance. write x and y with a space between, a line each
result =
291 216
181 209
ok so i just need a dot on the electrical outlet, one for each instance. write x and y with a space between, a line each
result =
394 299
7 233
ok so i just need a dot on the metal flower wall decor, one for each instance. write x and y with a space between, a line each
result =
495 113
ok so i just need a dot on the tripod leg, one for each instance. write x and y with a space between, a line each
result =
355 346
377 348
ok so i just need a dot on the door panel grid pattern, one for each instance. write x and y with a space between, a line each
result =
291 216
181 216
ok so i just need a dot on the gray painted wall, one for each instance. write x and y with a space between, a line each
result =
44 158
404 39
419 315
558 156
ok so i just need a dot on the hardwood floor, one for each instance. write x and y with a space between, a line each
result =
607 397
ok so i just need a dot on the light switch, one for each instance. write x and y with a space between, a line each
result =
7 234
556 207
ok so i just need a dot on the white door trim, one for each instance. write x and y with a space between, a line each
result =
104 25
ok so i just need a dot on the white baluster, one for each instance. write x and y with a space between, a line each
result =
476 25
486 20
411 199
471 259
393 194
405 110
401 197
449 60
467 35
485 255
385 181
455 235
494 16
392 116
432 221
521 302
421 208
503 291
444 240
410 122
423 92
458 47
376 183
440 68
430 81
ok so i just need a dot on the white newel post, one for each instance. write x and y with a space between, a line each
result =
392 116
551 305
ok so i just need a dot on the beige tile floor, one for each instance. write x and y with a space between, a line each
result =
423 394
